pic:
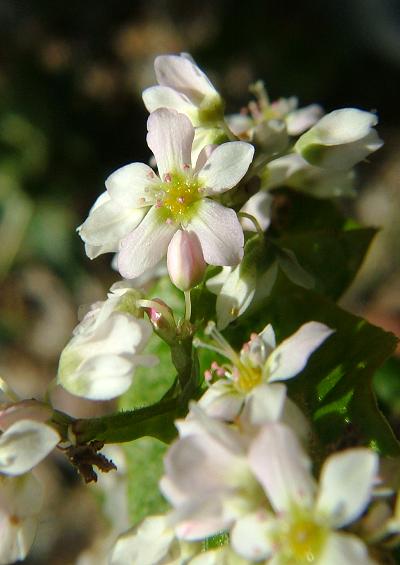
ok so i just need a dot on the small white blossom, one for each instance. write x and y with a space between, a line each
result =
99 361
247 379
185 88
301 525
295 172
20 503
340 139
181 198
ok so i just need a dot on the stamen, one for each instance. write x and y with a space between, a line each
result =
186 167
180 199
150 175
167 177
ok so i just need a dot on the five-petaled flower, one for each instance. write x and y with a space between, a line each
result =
181 197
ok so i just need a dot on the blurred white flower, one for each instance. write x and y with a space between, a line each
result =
300 525
340 139
21 500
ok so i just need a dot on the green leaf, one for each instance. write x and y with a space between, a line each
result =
335 389
144 470
332 257
150 383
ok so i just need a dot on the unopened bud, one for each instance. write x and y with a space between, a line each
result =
161 318
185 260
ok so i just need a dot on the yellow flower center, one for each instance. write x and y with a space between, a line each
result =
176 195
302 540
248 377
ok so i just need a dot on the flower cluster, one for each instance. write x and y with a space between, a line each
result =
245 472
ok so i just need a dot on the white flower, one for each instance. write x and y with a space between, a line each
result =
293 171
301 528
185 88
340 139
152 542
99 361
207 477
262 121
180 199
247 380
20 503
24 444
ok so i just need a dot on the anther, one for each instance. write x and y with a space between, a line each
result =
167 177
181 200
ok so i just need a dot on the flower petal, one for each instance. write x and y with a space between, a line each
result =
264 404
147 544
108 223
24 445
222 401
258 206
291 356
157 97
251 537
282 467
346 484
226 166
219 232
143 248
182 74
100 378
127 185
170 138
344 549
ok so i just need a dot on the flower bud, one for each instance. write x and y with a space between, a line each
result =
185 260
161 318
340 139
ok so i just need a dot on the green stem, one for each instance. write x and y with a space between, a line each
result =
254 220
188 305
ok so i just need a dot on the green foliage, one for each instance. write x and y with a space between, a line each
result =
144 469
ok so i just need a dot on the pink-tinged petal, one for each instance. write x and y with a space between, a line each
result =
291 356
219 232
24 445
344 549
182 74
300 120
282 467
170 138
127 185
157 97
346 484
252 538
143 248
226 166
185 261
293 417
108 223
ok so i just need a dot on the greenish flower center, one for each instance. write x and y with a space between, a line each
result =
177 194
302 539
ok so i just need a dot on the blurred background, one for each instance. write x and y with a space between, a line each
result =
71 77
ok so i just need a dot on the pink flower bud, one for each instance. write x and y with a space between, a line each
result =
185 260
161 318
